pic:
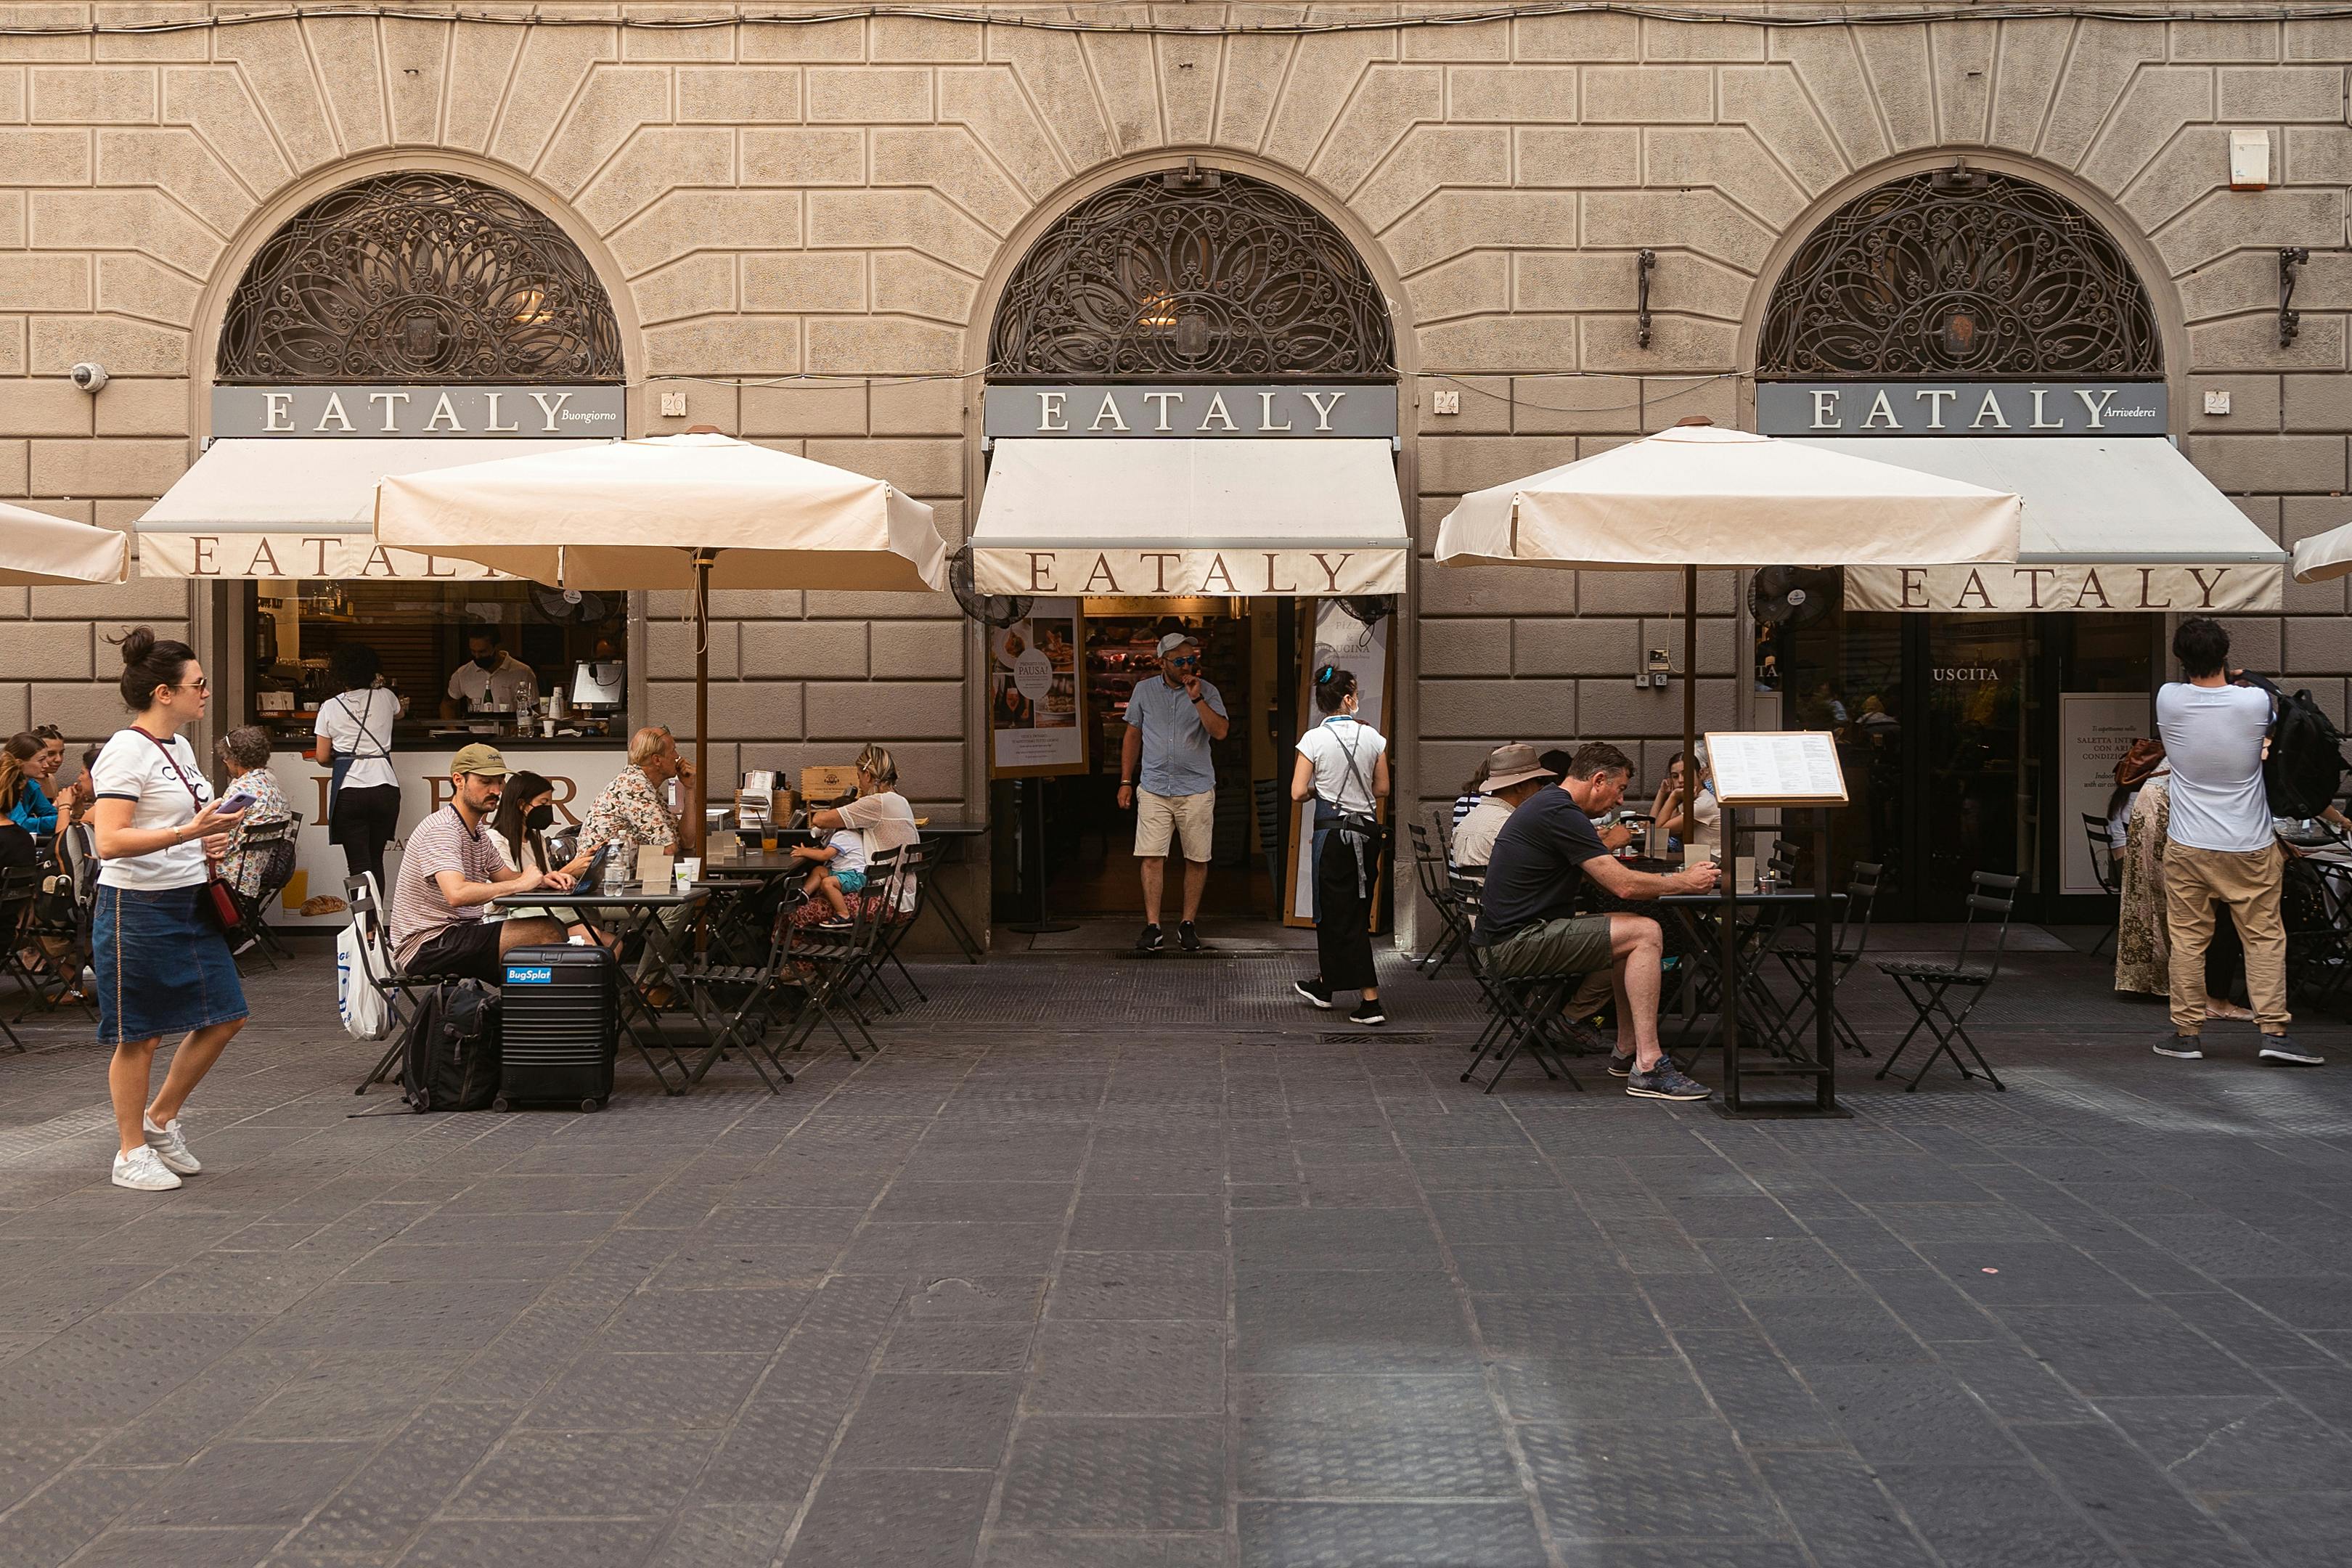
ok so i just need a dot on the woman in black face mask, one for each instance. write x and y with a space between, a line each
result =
518 831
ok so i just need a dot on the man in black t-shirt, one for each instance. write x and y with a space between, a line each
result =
1529 925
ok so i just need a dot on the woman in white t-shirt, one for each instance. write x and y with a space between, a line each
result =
355 731
163 966
1701 826
1343 767
882 818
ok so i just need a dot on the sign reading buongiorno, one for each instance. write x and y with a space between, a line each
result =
487 413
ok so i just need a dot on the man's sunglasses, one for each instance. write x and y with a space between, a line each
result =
1186 661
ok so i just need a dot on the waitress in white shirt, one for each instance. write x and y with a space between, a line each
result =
355 731
164 965
1343 767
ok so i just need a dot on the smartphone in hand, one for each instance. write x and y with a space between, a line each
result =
236 801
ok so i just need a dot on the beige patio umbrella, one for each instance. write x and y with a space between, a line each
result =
2324 556
41 550
1699 496
700 510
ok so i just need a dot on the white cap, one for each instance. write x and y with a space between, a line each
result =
1173 641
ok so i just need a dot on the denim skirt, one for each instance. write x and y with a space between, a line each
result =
163 967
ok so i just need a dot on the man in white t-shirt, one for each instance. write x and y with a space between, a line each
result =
491 678
2219 845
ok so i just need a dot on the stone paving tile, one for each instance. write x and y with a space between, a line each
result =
1188 1289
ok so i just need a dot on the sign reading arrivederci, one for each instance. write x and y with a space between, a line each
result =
1271 413
1960 408
492 413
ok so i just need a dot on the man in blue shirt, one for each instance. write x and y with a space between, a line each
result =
1171 720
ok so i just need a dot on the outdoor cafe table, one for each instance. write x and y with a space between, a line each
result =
1779 1028
635 908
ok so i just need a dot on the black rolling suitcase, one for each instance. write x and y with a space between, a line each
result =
561 1028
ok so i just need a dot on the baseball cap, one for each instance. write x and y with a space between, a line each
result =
477 759
1173 641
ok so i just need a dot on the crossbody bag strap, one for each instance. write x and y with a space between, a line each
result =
184 782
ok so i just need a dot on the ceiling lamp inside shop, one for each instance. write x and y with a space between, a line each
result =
1960 272
1194 272
419 276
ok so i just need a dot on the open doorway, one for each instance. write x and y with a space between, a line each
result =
1249 653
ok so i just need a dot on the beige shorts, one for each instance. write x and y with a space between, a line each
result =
1191 819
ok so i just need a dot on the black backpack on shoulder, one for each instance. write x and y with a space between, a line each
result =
449 1057
2305 764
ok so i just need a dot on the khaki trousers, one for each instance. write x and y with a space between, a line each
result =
2194 881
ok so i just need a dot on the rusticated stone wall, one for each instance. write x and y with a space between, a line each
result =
838 200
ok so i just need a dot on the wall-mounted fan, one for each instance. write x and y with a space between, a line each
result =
994 609
1792 596
564 605
1369 608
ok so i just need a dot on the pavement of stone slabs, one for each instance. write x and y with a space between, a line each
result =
1114 1264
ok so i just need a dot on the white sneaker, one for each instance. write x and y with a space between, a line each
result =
142 1170
171 1145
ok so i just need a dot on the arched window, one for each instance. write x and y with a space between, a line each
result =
419 276
1194 272
1959 273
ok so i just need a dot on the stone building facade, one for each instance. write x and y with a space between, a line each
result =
803 229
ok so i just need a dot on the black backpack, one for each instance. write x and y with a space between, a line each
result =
2305 764
449 1057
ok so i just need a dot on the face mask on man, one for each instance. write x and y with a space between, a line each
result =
539 818
488 661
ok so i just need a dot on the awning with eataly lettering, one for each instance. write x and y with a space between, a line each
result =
1185 518
253 508
2123 523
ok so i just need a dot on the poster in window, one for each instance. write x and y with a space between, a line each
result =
1036 708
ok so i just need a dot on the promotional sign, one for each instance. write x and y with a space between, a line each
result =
314 898
1962 409
489 413
2094 730
1083 409
1343 640
2007 590
1036 693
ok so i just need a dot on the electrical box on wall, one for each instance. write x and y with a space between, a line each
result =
2250 160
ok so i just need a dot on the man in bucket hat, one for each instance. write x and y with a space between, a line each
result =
450 870
1513 774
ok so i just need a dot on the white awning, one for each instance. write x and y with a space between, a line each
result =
2110 523
1179 518
281 508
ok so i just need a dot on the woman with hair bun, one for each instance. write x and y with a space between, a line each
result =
163 964
1343 767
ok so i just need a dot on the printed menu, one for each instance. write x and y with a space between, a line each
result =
1776 767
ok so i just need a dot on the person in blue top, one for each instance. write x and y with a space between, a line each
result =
24 767
1171 719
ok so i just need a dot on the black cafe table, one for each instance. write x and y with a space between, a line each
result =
1764 918
635 908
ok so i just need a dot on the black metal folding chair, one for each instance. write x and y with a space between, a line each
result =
273 845
2110 876
1525 1012
738 1002
398 991
18 886
1845 950
832 968
2316 906
913 863
1926 986
1429 866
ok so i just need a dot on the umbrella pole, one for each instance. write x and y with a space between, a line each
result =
701 791
1690 681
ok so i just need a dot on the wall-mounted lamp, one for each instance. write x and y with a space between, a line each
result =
1644 263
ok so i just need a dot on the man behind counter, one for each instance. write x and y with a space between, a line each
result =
492 677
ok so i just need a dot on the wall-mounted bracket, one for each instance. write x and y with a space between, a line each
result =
2290 322
1644 263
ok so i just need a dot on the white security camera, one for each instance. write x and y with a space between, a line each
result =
90 377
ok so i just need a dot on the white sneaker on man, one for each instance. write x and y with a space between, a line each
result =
171 1145
142 1170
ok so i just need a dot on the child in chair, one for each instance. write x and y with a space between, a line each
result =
836 871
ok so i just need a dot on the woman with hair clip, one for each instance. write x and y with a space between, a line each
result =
1343 767
162 963
881 817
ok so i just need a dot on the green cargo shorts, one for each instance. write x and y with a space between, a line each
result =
1577 945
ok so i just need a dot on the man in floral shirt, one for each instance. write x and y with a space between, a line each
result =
629 815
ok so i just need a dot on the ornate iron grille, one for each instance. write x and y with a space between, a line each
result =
1200 273
1960 274
419 277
